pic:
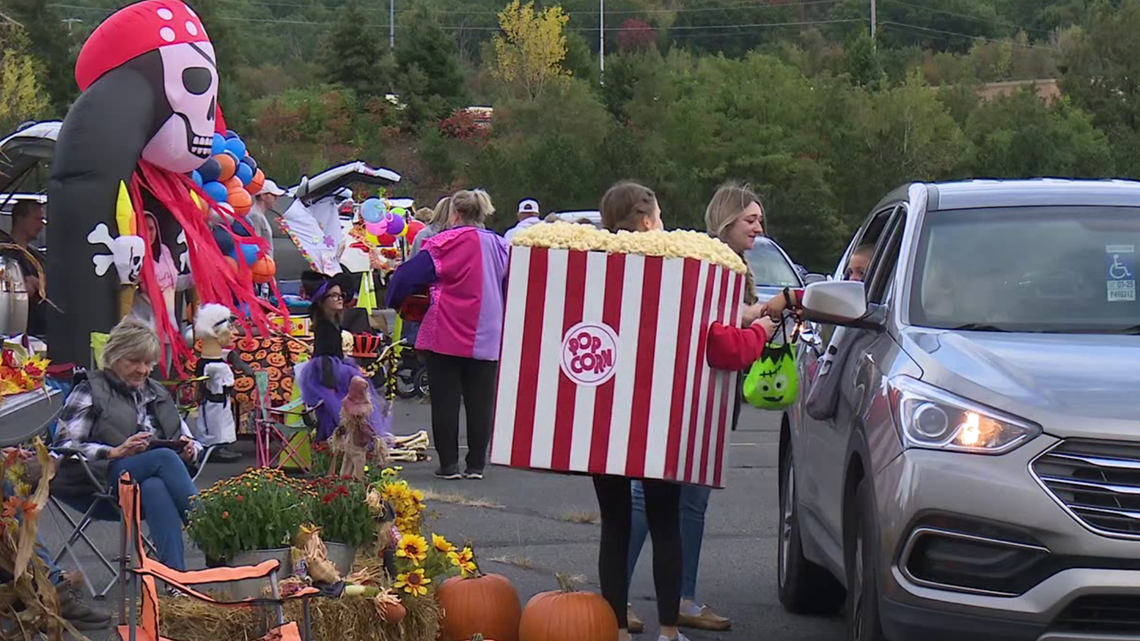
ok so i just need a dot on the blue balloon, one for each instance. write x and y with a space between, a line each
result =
230 133
237 146
210 171
219 145
244 173
197 177
237 159
241 228
249 252
372 210
224 240
248 160
217 191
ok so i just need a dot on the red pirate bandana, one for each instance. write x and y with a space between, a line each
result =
133 31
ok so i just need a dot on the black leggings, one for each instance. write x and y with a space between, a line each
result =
454 379
662 509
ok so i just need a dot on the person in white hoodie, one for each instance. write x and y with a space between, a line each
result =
529 216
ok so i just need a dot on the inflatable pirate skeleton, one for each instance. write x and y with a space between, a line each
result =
147 115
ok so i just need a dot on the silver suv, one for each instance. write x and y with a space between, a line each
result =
964 459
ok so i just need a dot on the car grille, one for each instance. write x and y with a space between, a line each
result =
1098 481
1101 614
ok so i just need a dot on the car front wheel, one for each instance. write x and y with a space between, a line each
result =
863 622
805 588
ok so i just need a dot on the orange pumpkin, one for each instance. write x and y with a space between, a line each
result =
261 354
287 383
247 357
241 398
274 374
566 615
484 604
297 347
247 344
243 383
276 360
256 366
393 613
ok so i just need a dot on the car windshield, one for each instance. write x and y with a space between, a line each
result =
769 266
1049 269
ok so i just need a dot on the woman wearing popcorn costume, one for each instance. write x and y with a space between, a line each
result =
633 208
736 217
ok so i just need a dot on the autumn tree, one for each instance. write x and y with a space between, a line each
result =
636 35
531 47
22 96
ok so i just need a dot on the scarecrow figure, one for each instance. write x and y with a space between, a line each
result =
354 436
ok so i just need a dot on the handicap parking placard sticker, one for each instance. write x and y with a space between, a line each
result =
1121 272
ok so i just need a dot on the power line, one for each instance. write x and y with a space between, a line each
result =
1001 23
965 35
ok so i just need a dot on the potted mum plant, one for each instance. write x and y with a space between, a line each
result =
339 507
248 519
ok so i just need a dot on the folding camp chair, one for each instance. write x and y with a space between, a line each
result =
289 425
100 505
137 570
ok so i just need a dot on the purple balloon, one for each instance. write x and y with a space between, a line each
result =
395 225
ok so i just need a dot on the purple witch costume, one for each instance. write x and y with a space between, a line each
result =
325 378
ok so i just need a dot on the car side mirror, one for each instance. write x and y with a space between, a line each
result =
816 278
840 302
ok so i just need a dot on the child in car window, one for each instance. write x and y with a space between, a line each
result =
858 263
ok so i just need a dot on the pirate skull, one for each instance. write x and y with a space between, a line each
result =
188 87
190 81
127 254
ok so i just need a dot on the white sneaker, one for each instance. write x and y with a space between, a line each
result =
680 637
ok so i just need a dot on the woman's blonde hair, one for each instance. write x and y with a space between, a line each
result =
726 207
442 213
472 206
626 204
425 215
131 339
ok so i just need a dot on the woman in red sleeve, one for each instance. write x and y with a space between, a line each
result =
735 216
632 207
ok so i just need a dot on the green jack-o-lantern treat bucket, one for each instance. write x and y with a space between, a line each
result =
773 381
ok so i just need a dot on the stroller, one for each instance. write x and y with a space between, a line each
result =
378 354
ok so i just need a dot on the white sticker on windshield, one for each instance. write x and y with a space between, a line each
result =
1120 261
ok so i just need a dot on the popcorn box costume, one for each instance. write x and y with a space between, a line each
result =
604 367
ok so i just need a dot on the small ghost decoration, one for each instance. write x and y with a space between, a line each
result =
127 254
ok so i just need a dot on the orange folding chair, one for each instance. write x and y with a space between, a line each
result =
137 569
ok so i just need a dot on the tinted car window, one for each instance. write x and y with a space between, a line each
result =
1049 269
769 267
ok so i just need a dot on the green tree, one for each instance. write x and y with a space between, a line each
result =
353 52
428 68
1020 137
861 61
22 97
1101 73
50 45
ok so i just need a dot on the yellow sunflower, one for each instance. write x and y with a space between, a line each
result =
413 548
463 557
414 583
441 544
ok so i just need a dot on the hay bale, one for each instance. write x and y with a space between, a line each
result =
350 618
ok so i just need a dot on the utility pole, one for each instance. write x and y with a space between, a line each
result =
873 19
602 41
71 23
392 24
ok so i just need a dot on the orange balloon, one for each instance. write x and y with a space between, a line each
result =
232 263
263 270
240 200
232 184
257 183
229 167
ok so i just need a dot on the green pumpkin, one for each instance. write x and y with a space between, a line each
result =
773 381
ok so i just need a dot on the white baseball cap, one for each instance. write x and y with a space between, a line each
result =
528 206
271 188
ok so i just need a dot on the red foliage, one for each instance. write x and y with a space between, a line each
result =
463 126
636 35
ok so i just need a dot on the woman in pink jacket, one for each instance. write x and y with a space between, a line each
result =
466 270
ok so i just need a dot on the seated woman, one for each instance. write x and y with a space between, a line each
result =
114 418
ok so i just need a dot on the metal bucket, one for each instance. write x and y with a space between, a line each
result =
13 298
252 588
342 557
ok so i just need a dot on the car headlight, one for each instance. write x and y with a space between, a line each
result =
932 418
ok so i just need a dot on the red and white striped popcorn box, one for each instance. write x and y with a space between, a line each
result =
603 367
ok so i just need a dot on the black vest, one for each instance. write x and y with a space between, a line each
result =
116 419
